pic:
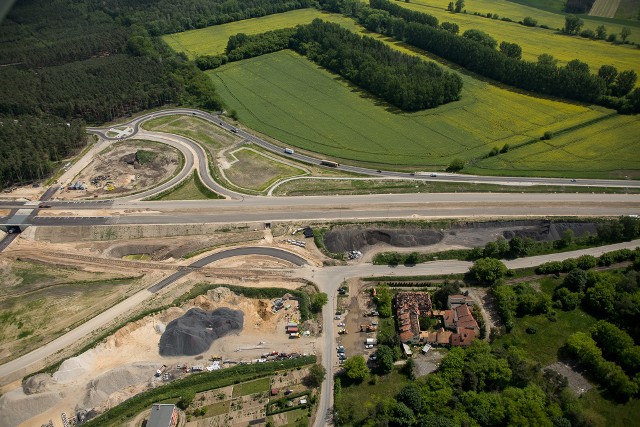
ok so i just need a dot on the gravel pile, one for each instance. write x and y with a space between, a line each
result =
194 332
16 407
102 387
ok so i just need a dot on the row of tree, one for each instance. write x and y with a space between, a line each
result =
172 16
607 373
404 81
573 81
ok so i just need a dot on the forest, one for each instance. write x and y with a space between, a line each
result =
172 16
479 385
574 81
404 81
64 61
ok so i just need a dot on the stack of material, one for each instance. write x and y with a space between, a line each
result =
194 332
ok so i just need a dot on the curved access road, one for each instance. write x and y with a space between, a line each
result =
215 118
25 364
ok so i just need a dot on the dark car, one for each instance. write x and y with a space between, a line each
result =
43 206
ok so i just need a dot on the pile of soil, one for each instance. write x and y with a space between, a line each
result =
468 234
194 332
349 240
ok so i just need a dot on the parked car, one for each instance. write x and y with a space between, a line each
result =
368 346
337 317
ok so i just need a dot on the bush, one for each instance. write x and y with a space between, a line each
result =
531 330
456 165
529 22
588 34
547 135
488 270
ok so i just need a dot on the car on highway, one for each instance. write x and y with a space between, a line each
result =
573 180
379 171
43 206
433 175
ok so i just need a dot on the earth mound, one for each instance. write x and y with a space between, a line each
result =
357 239
194 332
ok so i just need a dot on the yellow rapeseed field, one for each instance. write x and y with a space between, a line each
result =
608 148
536 41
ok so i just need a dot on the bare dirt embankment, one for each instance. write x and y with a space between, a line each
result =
125 364
367 238
126 167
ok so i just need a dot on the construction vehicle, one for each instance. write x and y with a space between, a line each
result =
368 328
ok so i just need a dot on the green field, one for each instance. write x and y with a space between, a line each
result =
251 387
287 97
608 148
190 189
213 40
194 128
536 41
255 171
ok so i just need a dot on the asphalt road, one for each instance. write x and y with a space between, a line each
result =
329 280
7 240
258 250
418 175
23 365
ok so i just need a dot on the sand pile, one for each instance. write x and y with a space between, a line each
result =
16 407
194 332
102 387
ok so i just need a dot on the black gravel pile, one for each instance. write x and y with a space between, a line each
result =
194 332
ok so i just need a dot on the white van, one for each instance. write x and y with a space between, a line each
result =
288 151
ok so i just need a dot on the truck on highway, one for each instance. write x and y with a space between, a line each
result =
288 151
329 163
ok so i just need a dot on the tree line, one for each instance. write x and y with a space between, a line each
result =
573 81
172 16
404 81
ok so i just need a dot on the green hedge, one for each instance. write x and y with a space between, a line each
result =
195 383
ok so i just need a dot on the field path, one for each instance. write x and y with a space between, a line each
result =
606 8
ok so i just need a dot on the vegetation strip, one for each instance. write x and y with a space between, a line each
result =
195 383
